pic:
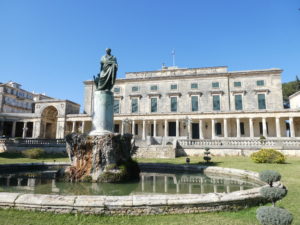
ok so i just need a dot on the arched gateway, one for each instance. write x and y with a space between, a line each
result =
49 122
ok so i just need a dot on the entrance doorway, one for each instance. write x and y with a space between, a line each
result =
195 130
172 129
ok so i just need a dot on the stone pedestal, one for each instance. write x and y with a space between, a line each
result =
105 158
103 115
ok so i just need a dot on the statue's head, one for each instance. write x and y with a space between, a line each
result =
108 51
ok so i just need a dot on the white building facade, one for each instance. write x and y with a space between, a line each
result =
189 104
201 103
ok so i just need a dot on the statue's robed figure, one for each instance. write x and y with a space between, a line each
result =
108 72
103 112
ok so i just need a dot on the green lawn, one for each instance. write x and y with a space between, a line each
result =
7 158
290 177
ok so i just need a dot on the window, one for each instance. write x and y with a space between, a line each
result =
153 88
173 104
116 106
218 128
260 82
194 86
216 102
134 105
261 101
215 84
238 102
173 86
242 128
153 104
134 88
195 105
117 90
237 84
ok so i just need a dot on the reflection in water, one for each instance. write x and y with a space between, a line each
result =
45 182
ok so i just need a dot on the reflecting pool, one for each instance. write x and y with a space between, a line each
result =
45 182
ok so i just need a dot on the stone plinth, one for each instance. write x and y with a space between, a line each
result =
103 116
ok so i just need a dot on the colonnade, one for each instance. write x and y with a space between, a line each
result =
204 123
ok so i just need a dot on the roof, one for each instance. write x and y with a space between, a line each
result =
294 95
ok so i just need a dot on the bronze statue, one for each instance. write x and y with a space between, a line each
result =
105 80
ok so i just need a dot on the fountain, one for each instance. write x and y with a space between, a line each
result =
102 156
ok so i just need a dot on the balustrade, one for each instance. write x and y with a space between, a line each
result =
240 143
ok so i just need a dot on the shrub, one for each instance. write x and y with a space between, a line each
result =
269 176
268 156
207 157
33 153
273 216
87 179
273 194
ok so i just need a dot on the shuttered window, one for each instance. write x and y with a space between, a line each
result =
173 104
238 102
261 101
153 104
216 102
195 104
134 105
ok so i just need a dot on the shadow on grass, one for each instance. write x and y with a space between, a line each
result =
16 155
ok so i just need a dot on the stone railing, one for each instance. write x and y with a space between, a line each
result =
33 142
281 144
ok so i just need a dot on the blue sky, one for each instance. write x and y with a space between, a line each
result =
52 46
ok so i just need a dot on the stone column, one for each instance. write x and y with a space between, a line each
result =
278 130
82 127
132 127
24 130
13 131
292 129
225 128
238 128
60 128
177 128
189 130
213 132
122 127
154 128
251 131
264 125
144 130
1 127
73 126
37 129
200 129
166 128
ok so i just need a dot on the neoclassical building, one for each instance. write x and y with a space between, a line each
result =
198 103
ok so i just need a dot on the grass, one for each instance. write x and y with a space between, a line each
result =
7 158
290 177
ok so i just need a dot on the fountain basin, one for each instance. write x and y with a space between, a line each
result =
140 204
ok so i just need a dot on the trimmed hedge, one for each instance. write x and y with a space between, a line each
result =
273 216
268 156
269 176
273 194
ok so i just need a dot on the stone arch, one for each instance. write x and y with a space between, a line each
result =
49 122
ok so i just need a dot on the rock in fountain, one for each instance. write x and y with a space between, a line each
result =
102 156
